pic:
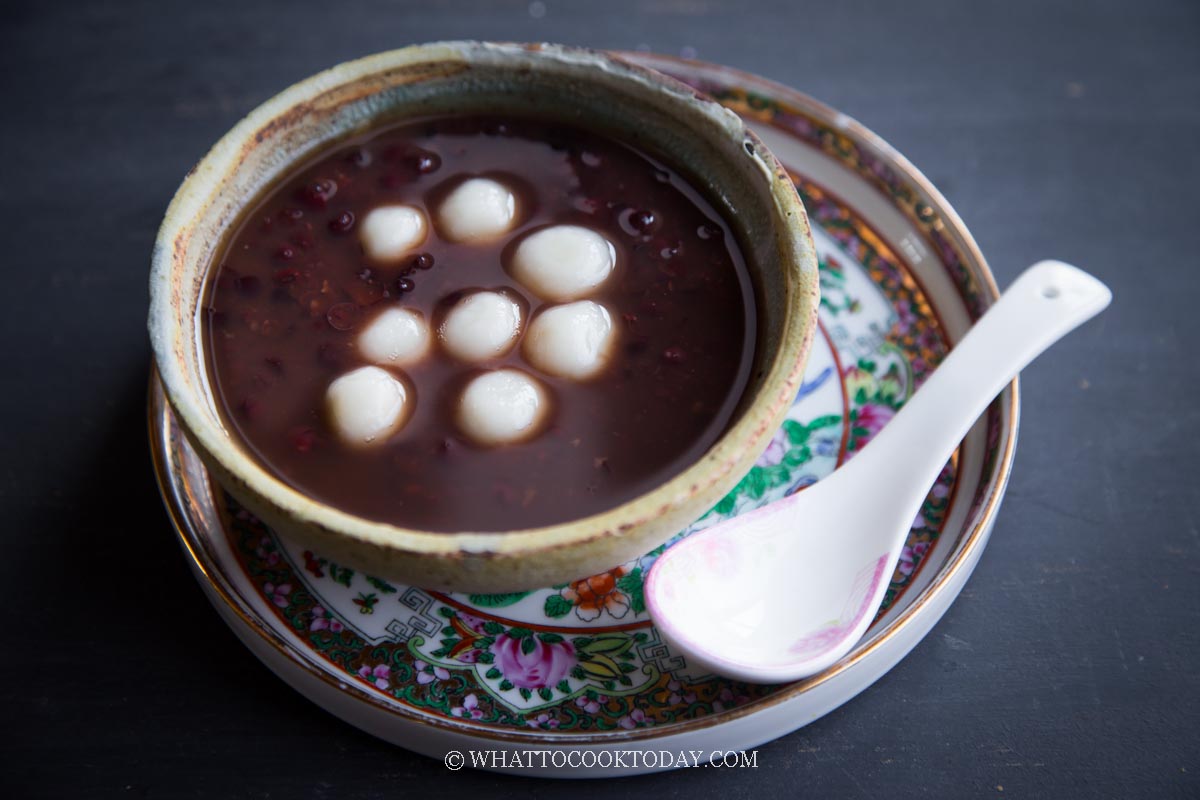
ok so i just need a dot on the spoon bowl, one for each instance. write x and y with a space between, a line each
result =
803 576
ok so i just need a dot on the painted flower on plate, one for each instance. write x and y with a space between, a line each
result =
598 594
268 551
635 719
469 709
380 675
727 699
591 705
323 620
530 663
278 594
871 417
775 451
910 556
675 698
428 674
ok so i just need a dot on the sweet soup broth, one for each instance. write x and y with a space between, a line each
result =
293 287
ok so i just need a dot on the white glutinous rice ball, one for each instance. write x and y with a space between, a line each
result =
563 262
366 405
389 232
396 337
480 326
477 209
502 407
571 341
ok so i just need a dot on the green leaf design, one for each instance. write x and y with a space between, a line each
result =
519 633
796 433
610 644
564 687
754 484
826 421
492 674
797 457
381 585
557 606
528 644
342 575
497 600
493 628
632 585
505 685
578 674
545 694
550 638
525 693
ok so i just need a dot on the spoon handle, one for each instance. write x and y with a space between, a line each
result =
1042 305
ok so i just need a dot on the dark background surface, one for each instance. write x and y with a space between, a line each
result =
1068 666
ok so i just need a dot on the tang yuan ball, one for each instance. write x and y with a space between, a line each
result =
571 341
477 209
398 336
502 407
480 326
389 232
366 405
563 262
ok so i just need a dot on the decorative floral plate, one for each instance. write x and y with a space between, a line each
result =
580 666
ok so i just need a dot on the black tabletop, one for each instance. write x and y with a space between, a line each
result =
1067 667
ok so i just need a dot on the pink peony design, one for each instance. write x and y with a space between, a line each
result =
323 620
872 417
379 675
532 667
469 709
278 594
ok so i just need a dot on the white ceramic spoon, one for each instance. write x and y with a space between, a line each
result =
785 591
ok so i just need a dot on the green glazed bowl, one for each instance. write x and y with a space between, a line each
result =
705 142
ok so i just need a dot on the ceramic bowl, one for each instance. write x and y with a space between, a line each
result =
697 136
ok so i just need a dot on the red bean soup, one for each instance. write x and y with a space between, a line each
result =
299 280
